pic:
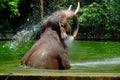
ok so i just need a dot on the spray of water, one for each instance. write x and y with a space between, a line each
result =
23 35
69 40
109 61
29 29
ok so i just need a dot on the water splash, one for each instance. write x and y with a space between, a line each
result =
29 24
69 40
23 35
109 61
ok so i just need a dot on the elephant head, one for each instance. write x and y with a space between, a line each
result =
73 15
50 51
59 19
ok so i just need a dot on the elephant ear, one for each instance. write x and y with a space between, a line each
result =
63 33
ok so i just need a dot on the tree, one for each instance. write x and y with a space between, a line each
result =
8 9
102 17
42 8
91 15
112 17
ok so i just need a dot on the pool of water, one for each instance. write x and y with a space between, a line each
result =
85 57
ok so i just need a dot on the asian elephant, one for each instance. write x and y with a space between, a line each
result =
50 51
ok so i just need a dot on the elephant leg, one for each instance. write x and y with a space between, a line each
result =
63 61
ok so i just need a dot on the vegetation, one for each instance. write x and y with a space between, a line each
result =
8 10
99 19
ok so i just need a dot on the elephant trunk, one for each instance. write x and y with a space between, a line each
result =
75 26
75 21
72 15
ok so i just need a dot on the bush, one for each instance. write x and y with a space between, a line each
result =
8 9
91 15
102 17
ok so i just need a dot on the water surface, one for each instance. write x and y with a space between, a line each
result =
85 57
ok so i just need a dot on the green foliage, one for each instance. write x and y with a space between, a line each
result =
14 8
8 9
112 12
91 15
10 5
104 14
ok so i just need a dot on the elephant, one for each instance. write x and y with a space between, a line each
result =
50 51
